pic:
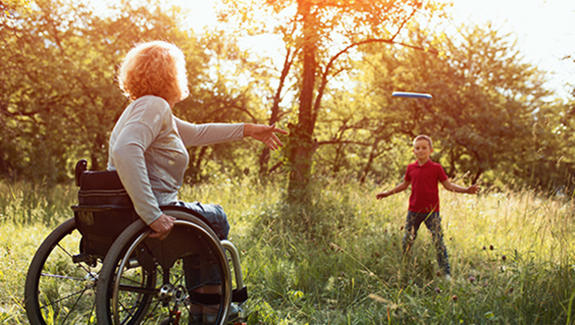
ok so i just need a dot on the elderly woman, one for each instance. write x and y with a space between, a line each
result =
148 143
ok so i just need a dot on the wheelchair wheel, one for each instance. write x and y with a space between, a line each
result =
175 296
60 286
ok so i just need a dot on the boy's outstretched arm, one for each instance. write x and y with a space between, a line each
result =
399 188
473 189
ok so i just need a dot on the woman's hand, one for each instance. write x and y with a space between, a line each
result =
265 134
162 226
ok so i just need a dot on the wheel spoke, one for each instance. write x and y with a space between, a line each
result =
55 302
73 306
62 277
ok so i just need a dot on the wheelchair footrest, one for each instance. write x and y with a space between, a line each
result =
84 258
240 295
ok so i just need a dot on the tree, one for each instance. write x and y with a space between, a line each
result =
323 33
9 7
486 102
58 96
225 86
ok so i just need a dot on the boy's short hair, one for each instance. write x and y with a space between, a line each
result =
423 137
154 68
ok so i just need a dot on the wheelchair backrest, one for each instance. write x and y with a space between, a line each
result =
100 187
104 209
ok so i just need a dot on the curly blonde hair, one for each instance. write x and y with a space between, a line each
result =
154 68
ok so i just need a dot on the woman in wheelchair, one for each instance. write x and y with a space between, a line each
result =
148 143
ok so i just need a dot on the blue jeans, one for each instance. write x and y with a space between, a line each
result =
199 271
214 214
432 221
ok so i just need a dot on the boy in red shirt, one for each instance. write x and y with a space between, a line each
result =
423 176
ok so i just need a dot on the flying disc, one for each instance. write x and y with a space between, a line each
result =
410 95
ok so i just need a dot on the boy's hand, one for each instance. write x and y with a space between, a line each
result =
382 195
473 189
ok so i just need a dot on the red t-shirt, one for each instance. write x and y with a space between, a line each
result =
424 192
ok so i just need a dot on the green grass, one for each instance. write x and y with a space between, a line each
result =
339 262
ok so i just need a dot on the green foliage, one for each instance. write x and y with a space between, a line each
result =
490 115
226 86
59 97
355 274
352 271
318 38
35 203
310 219
17 247
511 255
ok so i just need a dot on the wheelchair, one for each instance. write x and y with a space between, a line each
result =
101 267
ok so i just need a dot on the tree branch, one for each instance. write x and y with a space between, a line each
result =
331 62
337 141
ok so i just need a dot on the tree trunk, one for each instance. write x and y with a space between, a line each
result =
300 156
301 146
367 168
194 172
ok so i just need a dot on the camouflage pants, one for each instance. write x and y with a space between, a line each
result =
432 221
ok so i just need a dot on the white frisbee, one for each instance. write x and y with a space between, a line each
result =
410 95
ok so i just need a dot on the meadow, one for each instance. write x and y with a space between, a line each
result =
339 262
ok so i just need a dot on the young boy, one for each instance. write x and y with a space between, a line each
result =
423 175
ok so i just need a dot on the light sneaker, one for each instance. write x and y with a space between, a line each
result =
195 319
233 314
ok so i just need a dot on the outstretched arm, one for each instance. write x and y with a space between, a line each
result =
265 134
399 188
473 189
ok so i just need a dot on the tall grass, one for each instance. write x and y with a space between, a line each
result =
24 203
339 261
28 212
